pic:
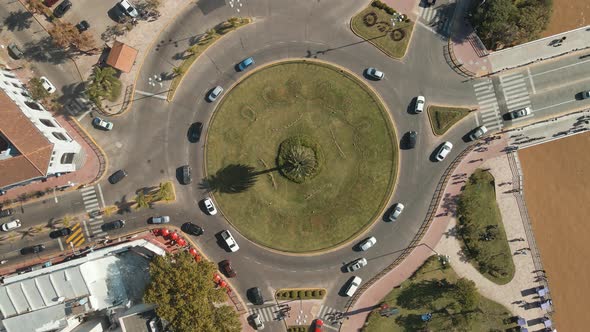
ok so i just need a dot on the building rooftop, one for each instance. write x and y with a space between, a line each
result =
122 57
34 149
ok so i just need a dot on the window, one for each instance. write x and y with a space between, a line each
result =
60 136
24 93
16 85
67 158
33 105
47 122
8 75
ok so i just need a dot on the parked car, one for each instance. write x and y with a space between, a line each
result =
397 209
444 151
420 102
109 226
215 93
82 26
127 8
254 294
353 285
318 325
103 124
412 137
62 8
193 229
585 94
230 241
153 323
6 213
227 269
356 264
117 176
186 174
47 85
15 51
245 63
375 74
519 113
256 321
478 133
194 132
160 220
367 243
32 249
210 206
60 233
8 226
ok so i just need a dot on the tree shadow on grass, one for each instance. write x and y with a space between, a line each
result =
422 294
233 179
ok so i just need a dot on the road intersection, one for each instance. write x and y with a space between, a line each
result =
150 141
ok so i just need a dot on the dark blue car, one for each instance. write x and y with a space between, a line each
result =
245 63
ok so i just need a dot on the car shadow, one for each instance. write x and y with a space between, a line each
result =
179 176
465 138
579 96
387 212
201 205
237 68
411 106
342 290
432 156
404 142
221 243
114 15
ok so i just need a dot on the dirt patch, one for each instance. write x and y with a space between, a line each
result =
556 182
568 15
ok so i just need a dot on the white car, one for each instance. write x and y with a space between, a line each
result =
367 243
47 84
258 324
375 74
230 241
478 132
444 150
420 102
353 286
11 225
100 123
210 206
215 93
161 220
128 8
356 264
519 113
396 211
585 94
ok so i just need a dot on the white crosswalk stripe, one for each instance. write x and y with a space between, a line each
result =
489 110
90 200
267 314
78 105
438 18
515 91
327 314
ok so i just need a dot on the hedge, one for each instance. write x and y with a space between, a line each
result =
304 294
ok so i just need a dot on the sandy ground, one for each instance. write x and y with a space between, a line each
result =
568 15
557 194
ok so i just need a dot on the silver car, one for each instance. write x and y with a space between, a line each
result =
519 113
210 206
444 151
478 132
215 93
356 264
585 94
397 210
258 324
375 74
161 220
367 243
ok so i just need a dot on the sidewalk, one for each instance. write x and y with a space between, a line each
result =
91 171
371 298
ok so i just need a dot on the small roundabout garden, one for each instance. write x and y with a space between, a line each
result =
300 156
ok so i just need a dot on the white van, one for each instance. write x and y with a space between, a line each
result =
353 286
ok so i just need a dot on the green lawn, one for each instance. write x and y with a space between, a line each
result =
379 34
454 304
325 105
443 118
196 50
482 230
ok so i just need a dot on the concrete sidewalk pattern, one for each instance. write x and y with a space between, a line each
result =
489 110
515 91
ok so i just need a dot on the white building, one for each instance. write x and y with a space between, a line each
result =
33 145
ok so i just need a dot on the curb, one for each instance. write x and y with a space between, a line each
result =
385 109
430 120
104 155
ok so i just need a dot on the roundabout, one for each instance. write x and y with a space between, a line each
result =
301 156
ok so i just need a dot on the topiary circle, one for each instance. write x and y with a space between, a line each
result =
398 34
370 19
299 159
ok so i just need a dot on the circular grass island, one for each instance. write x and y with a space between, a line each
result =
301 156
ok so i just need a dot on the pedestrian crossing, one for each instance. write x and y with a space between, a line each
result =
489 110
78 105
515 91
77 237
267 314
439 18
91 204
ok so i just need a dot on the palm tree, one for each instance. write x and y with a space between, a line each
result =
233 21
164 192
177 71
103 83
300 161
67 220
142 200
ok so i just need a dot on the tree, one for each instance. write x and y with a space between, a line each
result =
165 192
177 71
36 6
142 200
103 84
231 179
66 36
494 21
185 295
36 89
300 161
466 294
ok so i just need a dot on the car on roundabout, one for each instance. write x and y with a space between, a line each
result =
160 220
192 229
353 286
60 233
254 294
245 63
117 176
478 133
585 94
444 151
7 227
230 241
210 206
356 264
32 249
367 243
218 90
102 124
520 113
227 268
420 102
110 226
396 210
375 74
256 321
411 138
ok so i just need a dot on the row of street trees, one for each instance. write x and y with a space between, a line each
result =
504 23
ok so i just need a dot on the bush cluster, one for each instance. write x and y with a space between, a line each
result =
304 294
383 6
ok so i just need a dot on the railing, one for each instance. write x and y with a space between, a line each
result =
449 55
438 192
97 151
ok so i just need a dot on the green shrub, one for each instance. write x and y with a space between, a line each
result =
307 293
377 4
314 293
293 294
300 294
322 292
389 10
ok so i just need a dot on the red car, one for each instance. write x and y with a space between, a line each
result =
318 325
227 269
